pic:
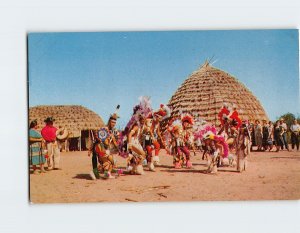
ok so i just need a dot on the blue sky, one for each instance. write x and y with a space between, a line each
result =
102 69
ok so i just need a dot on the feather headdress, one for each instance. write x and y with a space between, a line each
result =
199 124
187 118
163 112
223 114
203 130
176 125
141 110
209 135
235 118
219 139
115 115
145 105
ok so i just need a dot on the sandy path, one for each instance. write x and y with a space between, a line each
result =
270 176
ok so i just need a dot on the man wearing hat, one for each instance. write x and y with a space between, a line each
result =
49 135
112 124
284 128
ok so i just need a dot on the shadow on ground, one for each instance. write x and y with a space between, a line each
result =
282 157
164 166
83 177
197 171
185 171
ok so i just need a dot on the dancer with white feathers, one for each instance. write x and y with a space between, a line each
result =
243 147
130 139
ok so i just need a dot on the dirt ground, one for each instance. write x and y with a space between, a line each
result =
269 176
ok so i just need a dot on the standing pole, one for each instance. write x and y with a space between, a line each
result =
80 141
215 111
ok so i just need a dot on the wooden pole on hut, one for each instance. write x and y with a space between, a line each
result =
80 141
215 111
66 143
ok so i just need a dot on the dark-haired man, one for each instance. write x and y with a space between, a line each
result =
49 135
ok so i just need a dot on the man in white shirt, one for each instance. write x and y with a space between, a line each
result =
295 129
284 136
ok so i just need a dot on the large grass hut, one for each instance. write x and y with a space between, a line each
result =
205 91
78 120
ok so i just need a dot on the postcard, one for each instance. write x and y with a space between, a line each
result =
163 116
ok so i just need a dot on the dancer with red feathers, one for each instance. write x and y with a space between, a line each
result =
235 116
158 116
229 126
181 136
224 113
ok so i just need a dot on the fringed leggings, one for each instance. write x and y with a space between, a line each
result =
184 150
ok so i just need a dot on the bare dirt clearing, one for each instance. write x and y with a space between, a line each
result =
270 176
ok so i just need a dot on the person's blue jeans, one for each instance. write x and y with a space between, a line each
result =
284 139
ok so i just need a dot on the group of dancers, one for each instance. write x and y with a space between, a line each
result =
149 130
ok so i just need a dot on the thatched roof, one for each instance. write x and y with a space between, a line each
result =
73 117
205 91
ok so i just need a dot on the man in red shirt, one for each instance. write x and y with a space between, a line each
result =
49 134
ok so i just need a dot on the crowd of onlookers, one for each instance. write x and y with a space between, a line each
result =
268 135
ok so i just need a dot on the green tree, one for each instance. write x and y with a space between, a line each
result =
289 118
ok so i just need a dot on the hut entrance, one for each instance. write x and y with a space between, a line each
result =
74 144
84 139
79 143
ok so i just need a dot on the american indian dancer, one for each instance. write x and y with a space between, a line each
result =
103 148
243 146
180 140
130 140
158 116
217 149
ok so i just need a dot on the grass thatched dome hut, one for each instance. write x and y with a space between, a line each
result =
78 120
205 91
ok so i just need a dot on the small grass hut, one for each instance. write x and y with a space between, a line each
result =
77 119
205 91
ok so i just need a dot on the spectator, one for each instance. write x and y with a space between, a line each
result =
270 136
295 129
284 134
35 148
258 135
252 134
49 134
265 132
278 136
